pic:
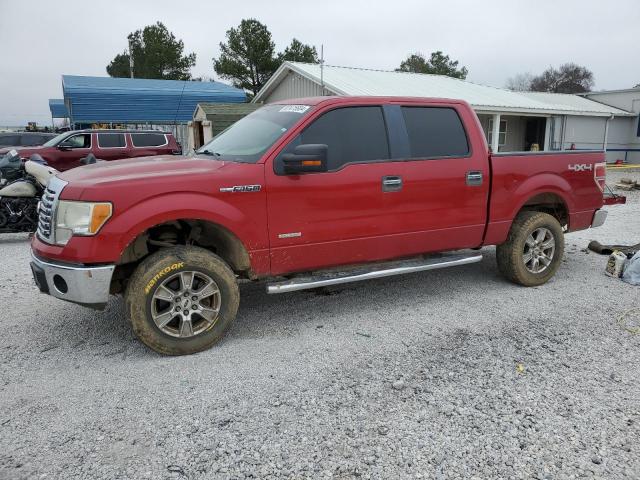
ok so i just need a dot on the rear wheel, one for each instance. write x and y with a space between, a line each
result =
182 300
533 251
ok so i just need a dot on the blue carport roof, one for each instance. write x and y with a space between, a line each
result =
136 100
58 108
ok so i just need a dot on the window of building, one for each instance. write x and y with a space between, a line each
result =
111 140
148 139
435 132
502 133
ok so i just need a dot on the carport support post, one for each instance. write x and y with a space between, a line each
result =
495 133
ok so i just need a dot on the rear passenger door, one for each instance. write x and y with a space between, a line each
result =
445 184
111 146
149 143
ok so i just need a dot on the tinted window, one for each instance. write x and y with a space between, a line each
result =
148 139
9 140
435 132
353 134
30 140
111 140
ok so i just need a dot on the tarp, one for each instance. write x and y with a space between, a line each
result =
58 109
126 100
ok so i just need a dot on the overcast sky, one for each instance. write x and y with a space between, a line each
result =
42 40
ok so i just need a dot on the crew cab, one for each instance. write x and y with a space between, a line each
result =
65 151
302 194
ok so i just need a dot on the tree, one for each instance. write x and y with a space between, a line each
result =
248 57
568 78
299 52
438 64
520 82
156 54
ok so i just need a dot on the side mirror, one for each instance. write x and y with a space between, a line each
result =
306 159
89 159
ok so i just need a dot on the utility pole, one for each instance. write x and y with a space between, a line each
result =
130 58
322 68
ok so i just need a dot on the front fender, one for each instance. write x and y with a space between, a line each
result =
127 225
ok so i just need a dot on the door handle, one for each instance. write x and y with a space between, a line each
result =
391 184
474 178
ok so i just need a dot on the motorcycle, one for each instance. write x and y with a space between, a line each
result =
20 196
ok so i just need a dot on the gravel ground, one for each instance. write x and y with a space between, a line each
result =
446 374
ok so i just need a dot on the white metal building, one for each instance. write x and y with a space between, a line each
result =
624 132
512 121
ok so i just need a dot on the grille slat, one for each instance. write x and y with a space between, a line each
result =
48 204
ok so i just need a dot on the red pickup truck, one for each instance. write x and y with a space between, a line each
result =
67 149
306 193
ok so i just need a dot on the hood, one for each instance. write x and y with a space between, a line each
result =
133 170
143 177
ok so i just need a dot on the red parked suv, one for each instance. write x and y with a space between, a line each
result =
65 150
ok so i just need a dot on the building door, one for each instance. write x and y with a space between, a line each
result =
534 133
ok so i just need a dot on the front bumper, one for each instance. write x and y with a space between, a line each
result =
88 286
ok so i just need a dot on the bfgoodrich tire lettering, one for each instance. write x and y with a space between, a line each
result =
533 236
158 286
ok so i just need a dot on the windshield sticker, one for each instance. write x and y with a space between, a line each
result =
294 108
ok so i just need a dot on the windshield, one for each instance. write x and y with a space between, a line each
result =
55 140
248 138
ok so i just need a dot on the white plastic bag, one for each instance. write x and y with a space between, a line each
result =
631 272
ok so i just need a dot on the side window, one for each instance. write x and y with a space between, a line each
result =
435 132
32 140
78 141
148 139
353 134
9 140
111 140
502 133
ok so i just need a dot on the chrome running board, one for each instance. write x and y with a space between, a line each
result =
368 272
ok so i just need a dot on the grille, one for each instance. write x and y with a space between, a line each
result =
47 209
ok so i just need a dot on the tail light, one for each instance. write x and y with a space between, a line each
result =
600 175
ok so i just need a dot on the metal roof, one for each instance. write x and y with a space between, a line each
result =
127 100
232 109
58 108
358 81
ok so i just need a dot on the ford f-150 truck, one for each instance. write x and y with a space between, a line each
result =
306 193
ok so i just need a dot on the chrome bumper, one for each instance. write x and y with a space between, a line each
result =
598 218
88 286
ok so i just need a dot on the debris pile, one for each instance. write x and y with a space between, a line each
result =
628 184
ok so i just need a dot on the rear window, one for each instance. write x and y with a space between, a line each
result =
435 132
148 139
111 140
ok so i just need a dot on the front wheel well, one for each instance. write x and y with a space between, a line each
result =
550 203
201 233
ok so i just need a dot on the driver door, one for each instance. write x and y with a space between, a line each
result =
71 150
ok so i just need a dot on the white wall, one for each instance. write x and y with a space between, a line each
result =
295 86
588 133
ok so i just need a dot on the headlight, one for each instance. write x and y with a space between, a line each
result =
80 218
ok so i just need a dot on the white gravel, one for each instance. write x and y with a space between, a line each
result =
446 374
